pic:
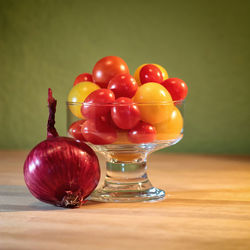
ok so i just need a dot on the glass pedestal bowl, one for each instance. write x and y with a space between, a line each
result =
126 150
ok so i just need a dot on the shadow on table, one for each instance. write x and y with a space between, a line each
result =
18 198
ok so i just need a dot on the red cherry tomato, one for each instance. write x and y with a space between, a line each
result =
142 133
97 103
123 85
98 132
107 68
150 73
176 87
85 77
75 130
124 113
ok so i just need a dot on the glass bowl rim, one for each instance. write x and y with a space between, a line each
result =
179 102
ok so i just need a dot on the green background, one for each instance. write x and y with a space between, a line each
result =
48 43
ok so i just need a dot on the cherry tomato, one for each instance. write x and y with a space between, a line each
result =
171 128
150 73
108 67
78 94
98 103
163 71
75 130
137 74
142 133
98 132
176 87
123 85
85 77
154 102
124 113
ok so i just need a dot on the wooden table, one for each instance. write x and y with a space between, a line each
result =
208 207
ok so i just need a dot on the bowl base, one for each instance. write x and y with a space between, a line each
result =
150 195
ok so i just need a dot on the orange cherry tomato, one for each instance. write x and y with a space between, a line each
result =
171 128
108 67
154 102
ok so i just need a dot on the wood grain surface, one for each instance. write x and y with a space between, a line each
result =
208 207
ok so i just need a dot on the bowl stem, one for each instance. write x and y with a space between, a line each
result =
127 182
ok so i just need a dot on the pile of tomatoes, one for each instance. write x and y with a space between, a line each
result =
116 107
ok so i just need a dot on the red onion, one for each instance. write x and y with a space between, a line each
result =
61 170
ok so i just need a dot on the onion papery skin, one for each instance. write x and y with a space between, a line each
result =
61 171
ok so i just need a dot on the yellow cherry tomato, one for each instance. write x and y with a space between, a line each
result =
154 101
171 128
137 74
163 71
78 94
